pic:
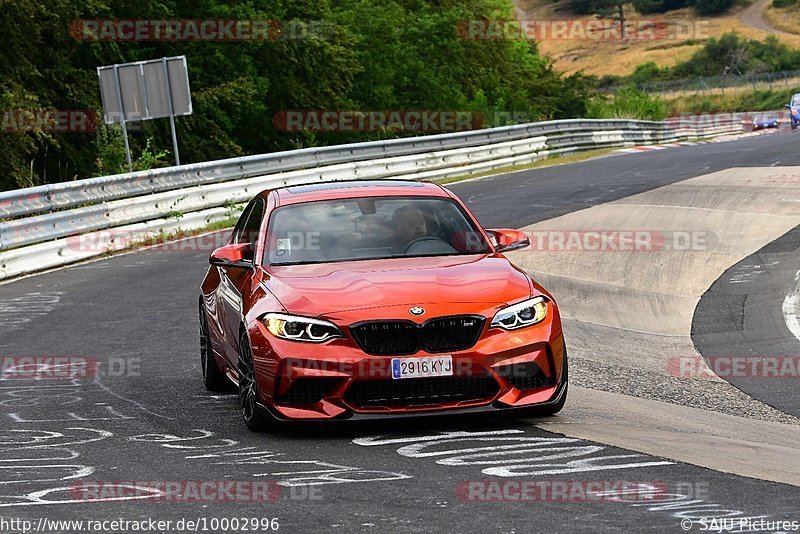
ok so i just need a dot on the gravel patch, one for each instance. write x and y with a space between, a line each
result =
718 396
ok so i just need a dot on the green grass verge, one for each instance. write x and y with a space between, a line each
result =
549 161
166 237
742 102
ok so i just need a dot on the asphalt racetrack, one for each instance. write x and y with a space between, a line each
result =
640 325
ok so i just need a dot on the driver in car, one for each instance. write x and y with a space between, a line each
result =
409 223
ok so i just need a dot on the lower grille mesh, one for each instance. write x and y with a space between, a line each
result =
307 391
421 391
525 376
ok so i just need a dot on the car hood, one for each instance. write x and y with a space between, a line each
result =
315 290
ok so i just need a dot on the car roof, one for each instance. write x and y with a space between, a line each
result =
296 194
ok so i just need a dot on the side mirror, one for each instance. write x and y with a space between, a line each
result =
788 106
508 240
232 256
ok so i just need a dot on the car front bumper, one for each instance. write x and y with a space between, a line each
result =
337 380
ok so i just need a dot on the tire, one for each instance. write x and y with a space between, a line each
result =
213 379
254 416
794 125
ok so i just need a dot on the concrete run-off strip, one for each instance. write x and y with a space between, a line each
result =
737 445
628 315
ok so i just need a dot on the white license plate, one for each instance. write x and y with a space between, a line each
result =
422 367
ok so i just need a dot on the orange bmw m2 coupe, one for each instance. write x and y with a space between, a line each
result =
375 299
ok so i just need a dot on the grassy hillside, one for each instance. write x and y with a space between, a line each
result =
743 102
612 57
786 19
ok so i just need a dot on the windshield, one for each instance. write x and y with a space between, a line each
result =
370 228
796 100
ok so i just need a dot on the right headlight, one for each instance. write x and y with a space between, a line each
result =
296 328
526 313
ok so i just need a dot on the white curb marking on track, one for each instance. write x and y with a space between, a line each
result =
791 307
722 139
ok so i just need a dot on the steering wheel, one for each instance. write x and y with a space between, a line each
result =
423 239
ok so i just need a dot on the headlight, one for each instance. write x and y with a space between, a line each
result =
520 315
297 328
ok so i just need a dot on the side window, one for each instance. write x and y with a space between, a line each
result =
249 233
239 228
250 224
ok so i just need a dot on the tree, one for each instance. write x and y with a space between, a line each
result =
712 7
603 9
647 7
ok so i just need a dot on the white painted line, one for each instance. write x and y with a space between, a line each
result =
791 307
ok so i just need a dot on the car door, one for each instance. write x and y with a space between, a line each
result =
235 282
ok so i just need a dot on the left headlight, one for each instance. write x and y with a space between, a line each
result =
520 315
297 328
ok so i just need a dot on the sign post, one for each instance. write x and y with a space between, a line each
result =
145 90
122 121
171 112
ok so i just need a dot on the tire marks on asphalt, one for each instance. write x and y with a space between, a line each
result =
19 311
509 453
285 470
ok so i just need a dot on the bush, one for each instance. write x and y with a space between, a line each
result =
628 103
647 7
731 54
647 72
712 7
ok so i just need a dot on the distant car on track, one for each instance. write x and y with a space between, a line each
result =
794 108
376 299
764 121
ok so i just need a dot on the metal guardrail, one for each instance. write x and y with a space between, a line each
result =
188 195
45 198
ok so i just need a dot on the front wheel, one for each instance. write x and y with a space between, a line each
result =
253 415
